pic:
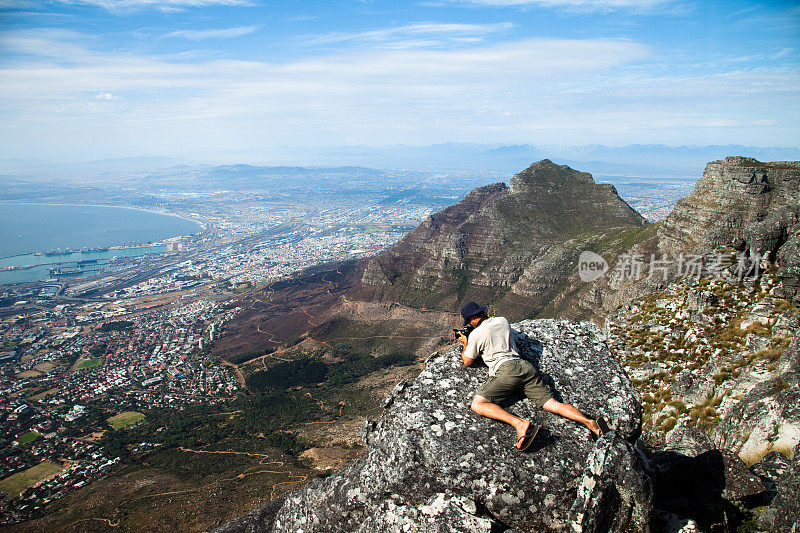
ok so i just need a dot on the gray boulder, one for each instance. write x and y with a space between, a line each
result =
789 269
768 416
432 464
783 515
772 469
688 441
616 492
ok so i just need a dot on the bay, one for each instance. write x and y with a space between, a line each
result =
30 235
30 227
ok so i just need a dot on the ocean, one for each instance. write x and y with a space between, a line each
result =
28 228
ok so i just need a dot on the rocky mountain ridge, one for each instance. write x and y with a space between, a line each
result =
741 210
739 201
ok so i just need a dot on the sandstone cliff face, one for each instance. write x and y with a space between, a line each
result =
512 246
739 201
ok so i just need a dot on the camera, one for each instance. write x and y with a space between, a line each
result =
466 330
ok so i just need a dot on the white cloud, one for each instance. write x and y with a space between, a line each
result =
221 33
785 52
105 96
568 91
599 5
17 4
46 42
164 5
418 35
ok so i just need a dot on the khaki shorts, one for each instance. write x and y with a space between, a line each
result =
512 377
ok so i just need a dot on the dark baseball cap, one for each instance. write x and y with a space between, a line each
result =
471 309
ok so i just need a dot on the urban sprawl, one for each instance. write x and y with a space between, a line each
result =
81 356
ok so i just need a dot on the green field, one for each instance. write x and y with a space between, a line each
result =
28 437
14 485
91 363
125 419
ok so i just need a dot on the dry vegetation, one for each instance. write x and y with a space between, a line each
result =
664 340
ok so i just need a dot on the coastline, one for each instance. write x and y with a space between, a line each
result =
201 223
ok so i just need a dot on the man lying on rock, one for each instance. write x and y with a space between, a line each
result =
509 374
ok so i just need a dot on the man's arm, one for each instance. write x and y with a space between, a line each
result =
464 358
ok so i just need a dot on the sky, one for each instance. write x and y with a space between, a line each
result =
93 79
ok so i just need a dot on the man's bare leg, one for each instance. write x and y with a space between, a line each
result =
484 407
569 411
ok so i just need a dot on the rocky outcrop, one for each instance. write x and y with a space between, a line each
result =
718 356
511 246
688 441
433 465
616 492
739 201
768 416
788 259
783 514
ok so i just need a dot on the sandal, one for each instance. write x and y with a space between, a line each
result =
603 426
525 440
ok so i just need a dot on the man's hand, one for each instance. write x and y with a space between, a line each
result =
460 337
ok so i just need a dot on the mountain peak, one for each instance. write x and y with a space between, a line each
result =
501 245
546 173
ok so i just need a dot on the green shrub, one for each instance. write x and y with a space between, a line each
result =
119 325
289 374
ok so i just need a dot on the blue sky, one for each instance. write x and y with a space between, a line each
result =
83 79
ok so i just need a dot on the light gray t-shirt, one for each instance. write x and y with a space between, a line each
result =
493 341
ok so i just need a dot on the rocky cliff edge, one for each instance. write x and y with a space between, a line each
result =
433 465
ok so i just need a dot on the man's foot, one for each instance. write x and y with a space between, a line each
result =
599 427
525 441
522 430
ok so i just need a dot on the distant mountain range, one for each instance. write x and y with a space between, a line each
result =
645 160
654 160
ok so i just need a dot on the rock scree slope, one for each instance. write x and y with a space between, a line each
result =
432 464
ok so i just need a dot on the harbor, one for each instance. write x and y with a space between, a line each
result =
41 266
